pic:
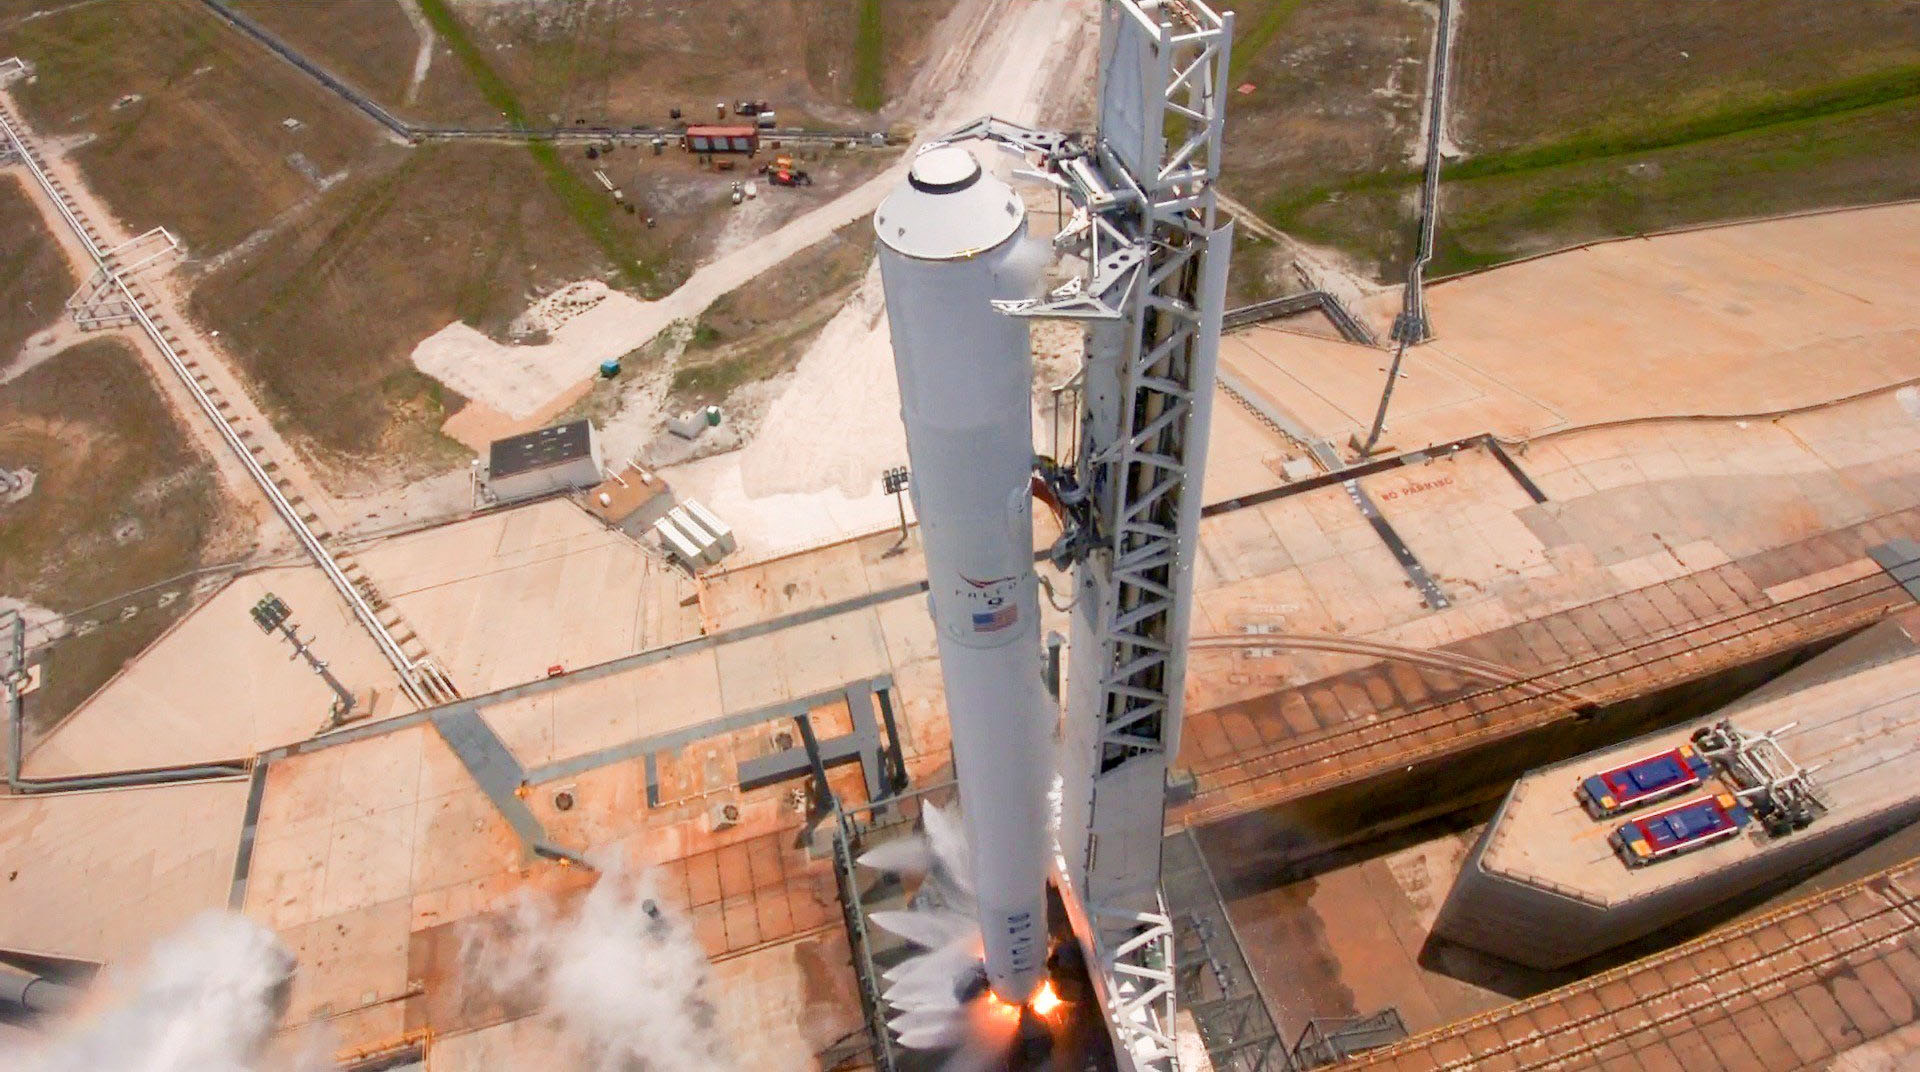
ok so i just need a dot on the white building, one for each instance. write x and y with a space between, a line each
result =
552 459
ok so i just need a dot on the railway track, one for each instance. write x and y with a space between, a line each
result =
1435 659
398 642
1720 978
1304 765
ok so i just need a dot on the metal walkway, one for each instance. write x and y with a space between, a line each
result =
1349 326
423 681
1794 988
1412 325
1216 985
499 775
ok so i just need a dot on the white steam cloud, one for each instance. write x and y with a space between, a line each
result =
926 989
207 1001
623 978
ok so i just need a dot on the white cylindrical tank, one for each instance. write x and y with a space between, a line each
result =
950 242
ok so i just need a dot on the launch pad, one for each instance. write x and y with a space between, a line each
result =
1065 1031
1600 574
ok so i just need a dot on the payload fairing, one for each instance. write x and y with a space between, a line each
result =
952 241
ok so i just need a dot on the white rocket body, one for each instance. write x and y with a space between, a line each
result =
950 243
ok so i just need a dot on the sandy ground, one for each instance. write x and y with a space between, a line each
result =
812 470
810 474
42 346
422 59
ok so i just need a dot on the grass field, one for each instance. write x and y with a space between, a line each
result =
186 117
1871 154
1530 72
625 62
369 45
326 315
590 208
324 310
1585 121
34 277
1336 89
121 500
630 62
870 57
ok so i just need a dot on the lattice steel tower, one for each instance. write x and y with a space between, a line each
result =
1143 221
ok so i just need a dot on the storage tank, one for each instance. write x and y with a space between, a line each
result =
950 242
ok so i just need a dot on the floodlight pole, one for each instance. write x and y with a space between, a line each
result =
273 615
894 482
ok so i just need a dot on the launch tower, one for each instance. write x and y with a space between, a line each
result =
1149 297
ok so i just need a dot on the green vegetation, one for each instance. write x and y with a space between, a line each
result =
1255 28
1851 95
1753 158
1866 155
185 117
1329 97
1580 121
588 207
869 59
1808 105
715 380
760 330
34 277
324 317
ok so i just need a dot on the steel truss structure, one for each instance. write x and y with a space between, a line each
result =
1781 792
1150 301
100 302
425 683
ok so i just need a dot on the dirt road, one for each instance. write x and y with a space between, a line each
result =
1026 61
810 474
1021 60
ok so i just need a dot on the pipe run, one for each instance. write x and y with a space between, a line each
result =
23 990
237 768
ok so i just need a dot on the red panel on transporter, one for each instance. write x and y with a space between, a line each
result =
1680 829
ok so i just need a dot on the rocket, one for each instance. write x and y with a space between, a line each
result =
951 242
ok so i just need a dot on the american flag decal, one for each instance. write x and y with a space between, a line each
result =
995 620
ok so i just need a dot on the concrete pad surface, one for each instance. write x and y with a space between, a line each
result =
1749 318
216 688
501 598
100 876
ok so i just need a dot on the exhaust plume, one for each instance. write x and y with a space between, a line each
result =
207 1000
622 978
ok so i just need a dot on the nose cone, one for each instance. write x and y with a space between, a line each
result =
948 209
